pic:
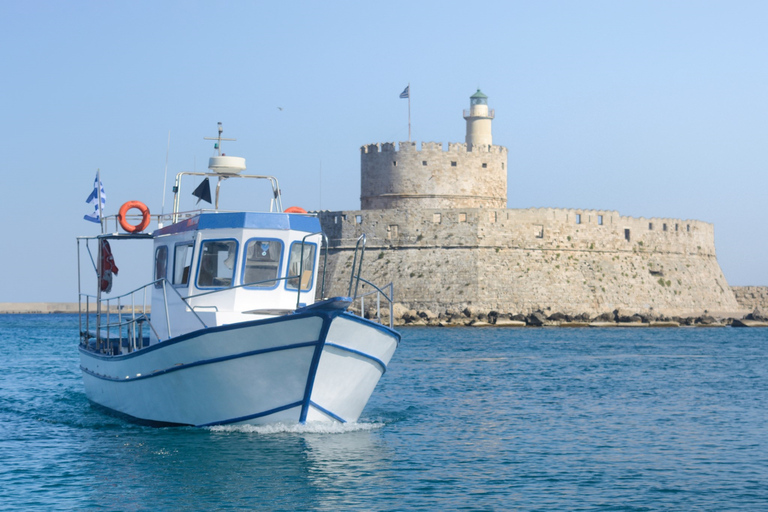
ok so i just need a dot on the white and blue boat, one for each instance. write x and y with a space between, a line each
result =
234 327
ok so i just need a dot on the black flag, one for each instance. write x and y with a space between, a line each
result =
203 192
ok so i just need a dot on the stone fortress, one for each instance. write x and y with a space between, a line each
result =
438 227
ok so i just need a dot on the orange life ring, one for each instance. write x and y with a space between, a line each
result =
295 209
145 217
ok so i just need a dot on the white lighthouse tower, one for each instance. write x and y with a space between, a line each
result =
478 120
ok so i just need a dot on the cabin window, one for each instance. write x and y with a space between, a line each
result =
182 259
217 263
161 265
261 267
301 267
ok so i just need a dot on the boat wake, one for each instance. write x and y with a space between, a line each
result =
299 428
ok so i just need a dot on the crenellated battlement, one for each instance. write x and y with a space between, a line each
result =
452 147
429 175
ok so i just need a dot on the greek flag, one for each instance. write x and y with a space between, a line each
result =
93 199
406 92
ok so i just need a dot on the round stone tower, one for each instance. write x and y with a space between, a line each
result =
468 175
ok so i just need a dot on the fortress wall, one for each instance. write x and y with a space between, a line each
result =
431 177
520 261
752 297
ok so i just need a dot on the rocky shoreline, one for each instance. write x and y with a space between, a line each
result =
471 317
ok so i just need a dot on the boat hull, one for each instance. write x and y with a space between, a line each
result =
312 366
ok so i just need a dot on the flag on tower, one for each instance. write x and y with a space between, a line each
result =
406 92
96 197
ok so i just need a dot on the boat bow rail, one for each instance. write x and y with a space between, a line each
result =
354 287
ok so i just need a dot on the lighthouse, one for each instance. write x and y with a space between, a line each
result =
478 121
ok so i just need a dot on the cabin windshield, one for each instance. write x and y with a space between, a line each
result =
294 265
217 263
262 262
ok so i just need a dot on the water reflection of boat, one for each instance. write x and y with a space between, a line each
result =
235 335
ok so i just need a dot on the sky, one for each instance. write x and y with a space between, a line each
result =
650 108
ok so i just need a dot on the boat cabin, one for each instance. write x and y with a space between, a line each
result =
232 267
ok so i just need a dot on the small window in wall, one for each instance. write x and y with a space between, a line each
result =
677 227
261 267
182 259
462 217
358 219
502 166
485 166
453 164
626 235
394 163
161 265
437 218
650 225
492 216
578 218
538 230
599 220
688 227
217 263
392 231
664 226
301 265
423 162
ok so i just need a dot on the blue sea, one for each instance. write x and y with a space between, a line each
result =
465 418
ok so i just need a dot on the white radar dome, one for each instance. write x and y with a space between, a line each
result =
226 164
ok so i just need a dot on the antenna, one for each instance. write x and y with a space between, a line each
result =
218 139
165 179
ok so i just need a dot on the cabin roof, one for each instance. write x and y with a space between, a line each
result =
250 220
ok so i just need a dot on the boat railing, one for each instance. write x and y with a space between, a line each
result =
379 294
354 285
114 329
354 277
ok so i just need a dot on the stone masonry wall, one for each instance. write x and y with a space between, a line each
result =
752 297
429 177
520 261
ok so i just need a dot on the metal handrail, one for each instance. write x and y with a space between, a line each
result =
361 238
276 203
379 292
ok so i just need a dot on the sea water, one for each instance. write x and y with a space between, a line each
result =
464 418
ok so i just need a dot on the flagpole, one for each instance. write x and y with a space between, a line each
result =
98 192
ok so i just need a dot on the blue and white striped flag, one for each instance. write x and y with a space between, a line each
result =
98 191
406 92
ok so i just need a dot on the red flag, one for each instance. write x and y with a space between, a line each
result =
108 267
